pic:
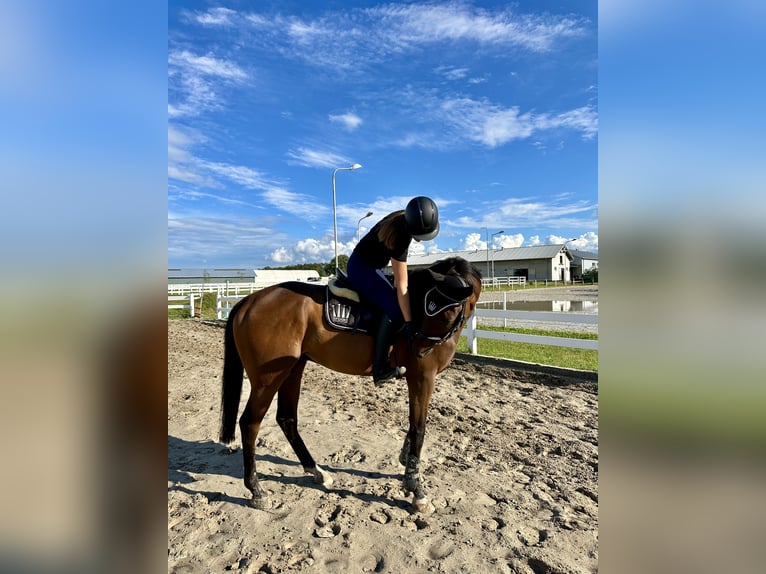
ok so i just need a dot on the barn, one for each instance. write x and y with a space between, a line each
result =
536 263
258 278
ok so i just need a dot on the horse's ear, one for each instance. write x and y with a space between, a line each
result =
436 277
464 291
455 287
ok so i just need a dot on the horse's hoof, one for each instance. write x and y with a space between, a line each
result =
260 502
320 475
423 505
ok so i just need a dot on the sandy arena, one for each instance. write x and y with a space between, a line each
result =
510 464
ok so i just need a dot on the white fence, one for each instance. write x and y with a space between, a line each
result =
522 282
503 281
199 288
224 303
227 294
473 332
190 298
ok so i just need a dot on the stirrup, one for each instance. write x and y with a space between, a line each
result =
397 372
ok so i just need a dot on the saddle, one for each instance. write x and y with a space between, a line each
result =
345 310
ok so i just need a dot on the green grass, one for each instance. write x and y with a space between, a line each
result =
208 308
584 359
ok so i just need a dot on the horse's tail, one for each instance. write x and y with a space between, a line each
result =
231 385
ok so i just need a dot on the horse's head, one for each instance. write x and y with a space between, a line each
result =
443 296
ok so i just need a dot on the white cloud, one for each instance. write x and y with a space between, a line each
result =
194 82
314 158
492 125
451 73
239 174
281 255
416 24
531 212
348 39
473 242
206 65
586 242
349 120
584 119
311 250
216 17
508 240
297 204
192 239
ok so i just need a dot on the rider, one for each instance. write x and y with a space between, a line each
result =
389 240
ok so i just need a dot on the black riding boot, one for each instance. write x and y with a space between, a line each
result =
381 370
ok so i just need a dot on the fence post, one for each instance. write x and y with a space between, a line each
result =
191 304
472 338
218 310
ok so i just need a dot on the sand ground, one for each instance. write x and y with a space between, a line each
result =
510 463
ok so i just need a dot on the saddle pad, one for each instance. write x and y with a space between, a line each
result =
344 314
342 290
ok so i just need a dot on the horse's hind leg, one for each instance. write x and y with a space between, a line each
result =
287 419
249 425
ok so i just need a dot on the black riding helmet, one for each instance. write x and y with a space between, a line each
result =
422 217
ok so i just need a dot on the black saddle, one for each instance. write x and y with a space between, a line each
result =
346 310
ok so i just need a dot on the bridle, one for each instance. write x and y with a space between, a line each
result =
436 341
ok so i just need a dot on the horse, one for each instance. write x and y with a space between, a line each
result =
271 334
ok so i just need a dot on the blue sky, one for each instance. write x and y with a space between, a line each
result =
489 108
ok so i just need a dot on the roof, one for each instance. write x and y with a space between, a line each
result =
210 273
496 255
280 275
584 254
254 275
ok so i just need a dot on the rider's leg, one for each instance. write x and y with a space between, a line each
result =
384 337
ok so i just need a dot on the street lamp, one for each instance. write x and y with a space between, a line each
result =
334 215
496 233
358 223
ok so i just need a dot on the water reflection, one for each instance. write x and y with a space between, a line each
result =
555 306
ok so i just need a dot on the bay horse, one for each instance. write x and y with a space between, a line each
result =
272 333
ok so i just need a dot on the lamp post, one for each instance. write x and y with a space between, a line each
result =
358 223
496 233
334 213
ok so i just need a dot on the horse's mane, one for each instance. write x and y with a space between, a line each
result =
420 280
457 264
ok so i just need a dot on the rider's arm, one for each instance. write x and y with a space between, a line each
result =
400 283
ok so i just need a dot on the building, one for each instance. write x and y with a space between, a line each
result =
258 278
536 263
582 261
196 276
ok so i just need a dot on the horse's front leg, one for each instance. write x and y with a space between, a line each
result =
421 387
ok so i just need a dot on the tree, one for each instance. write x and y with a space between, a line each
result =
329 268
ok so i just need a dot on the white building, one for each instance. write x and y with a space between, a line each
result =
537 263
